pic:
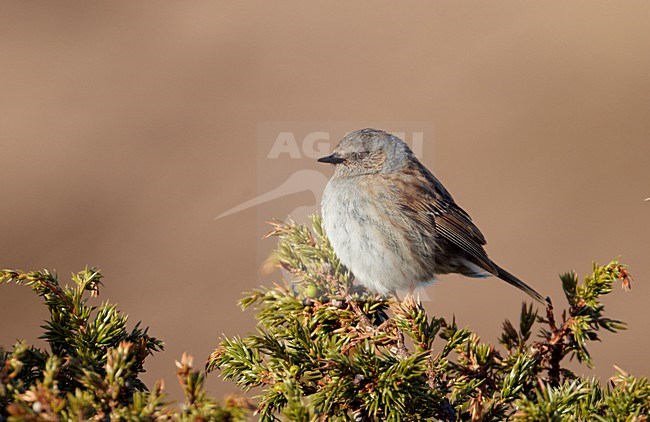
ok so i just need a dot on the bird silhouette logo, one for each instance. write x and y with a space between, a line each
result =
301 181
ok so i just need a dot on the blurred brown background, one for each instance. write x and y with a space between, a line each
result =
126 127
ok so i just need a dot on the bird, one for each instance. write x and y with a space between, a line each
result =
393 224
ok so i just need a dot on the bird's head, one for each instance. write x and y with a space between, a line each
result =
368 151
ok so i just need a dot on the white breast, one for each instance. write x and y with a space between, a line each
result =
364 240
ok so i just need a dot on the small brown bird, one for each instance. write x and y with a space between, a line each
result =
393 224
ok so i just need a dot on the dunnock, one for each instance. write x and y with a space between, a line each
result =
393 224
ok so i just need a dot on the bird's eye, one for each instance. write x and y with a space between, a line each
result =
360 155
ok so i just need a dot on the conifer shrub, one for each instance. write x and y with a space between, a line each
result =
324 349
91 368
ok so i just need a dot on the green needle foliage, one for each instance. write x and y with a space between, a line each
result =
91 370
326 349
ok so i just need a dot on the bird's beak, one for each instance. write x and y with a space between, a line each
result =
332 159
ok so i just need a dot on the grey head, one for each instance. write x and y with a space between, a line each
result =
369 151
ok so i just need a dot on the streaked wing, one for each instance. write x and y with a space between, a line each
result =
427 201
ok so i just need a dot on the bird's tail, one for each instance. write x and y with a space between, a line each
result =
512 280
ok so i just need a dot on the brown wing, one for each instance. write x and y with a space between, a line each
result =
427 201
